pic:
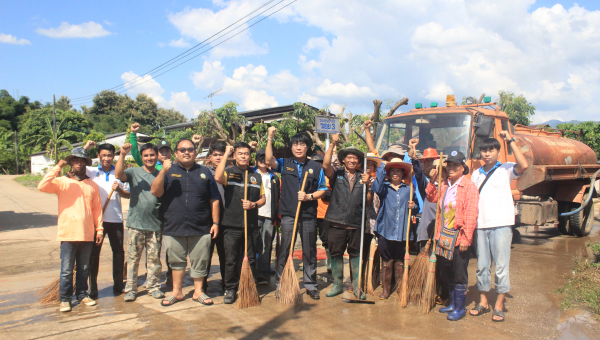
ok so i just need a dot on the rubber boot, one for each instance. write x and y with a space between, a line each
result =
329 270
94 266
398 271
354 264
118 260
450 307
460 296
386 279
337 268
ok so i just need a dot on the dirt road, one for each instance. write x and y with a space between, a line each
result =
30 260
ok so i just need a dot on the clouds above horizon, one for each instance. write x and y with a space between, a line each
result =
11 39
65 30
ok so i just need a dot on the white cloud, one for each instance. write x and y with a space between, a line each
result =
254 100
65 30
179 101
337 90
179 43
11 39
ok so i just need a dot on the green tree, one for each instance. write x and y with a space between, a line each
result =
589 134
34 122
518 109
53 140
96 137
64 103
224 124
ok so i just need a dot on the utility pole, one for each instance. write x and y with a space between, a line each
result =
16 153
54 113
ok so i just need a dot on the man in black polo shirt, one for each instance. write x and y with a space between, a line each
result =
190 204
344 213
292 172
234 181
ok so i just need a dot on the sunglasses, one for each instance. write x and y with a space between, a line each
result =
184 150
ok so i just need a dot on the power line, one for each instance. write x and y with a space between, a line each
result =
189 51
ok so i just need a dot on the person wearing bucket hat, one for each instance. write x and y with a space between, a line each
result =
345 212
79 224
391 224
454 231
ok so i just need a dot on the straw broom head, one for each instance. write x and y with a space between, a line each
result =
430 291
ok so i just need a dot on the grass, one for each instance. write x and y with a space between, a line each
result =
29 180
582 288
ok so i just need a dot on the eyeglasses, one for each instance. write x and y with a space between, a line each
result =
184 150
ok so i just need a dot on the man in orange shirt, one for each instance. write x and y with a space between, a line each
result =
79 224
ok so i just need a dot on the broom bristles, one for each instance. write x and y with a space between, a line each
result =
404 286
289 289
429 291
52 291
248 295
417 276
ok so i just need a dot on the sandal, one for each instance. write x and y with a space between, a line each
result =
202 298
171 301
499 313
480 310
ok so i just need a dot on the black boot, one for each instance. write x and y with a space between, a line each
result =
94 265
118 263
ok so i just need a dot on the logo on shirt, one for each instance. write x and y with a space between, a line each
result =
453 153
289 169
274 181
203 176
310 171
176 175
252 180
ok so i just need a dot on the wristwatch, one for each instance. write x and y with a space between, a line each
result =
511 140
255 205
312 198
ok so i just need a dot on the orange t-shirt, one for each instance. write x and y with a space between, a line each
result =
323 205
79 206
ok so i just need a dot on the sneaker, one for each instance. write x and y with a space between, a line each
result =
157 294
262 281
65 306
88 301
129 297
229 297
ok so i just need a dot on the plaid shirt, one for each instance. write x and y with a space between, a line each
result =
467 200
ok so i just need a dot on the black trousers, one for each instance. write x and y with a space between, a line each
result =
341 239
323 232
391 250
114 231
233 240
219 244
455 271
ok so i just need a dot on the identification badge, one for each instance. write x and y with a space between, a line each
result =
176 175
310 171
252 180
289 169
203 176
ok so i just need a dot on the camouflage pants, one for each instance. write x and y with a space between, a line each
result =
138 239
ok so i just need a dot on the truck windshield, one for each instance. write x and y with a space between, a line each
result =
443 132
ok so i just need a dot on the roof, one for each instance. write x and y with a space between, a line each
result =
64 148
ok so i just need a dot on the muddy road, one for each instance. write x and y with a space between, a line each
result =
30 260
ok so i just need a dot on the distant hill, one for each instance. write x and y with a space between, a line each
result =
555 122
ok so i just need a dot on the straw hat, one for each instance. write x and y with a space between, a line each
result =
373 158
398 163
394 150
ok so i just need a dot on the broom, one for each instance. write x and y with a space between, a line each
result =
288 291
403 289
370 288
430 290
248 295
418 275
51 291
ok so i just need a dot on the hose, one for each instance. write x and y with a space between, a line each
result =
588 199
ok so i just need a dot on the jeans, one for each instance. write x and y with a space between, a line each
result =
493 244
263 246
233 238
307 227
72 253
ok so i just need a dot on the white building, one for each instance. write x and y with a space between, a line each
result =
40 160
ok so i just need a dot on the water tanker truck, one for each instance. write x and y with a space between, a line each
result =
557 188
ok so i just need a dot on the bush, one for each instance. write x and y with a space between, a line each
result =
29 180
582 288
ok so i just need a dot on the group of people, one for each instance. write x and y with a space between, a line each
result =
194 209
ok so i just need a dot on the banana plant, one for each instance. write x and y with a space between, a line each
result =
53 140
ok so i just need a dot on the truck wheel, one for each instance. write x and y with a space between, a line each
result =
563 222
582 222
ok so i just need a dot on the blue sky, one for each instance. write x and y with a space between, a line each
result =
313 51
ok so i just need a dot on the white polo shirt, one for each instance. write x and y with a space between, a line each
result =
105 181
496 205
265 210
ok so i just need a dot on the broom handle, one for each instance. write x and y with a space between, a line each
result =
362 228
297 214
107 200
437 206
246 215
409 211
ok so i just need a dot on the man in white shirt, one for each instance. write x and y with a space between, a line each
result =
495 220
104 176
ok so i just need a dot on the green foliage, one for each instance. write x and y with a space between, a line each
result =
224 124
53 140
589 134
31 181
96 137
518 109
11 111
64 103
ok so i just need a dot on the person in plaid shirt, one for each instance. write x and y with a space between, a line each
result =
460 199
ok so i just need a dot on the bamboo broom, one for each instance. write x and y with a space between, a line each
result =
418 275
403 289
288 291
430 290
248 295
52 291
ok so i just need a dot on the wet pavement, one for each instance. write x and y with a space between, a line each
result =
30 261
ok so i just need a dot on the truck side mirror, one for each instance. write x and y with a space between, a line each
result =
484 126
